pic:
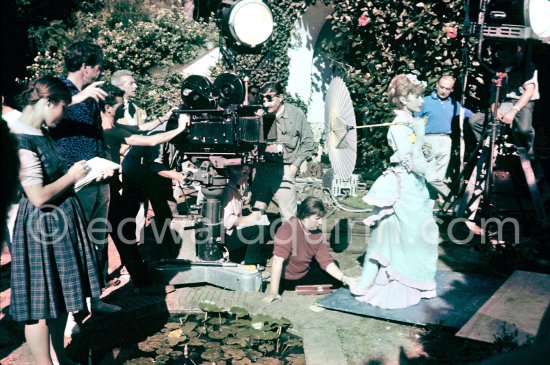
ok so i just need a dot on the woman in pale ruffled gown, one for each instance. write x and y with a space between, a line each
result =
400 262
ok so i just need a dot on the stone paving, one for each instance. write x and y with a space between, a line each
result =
330 337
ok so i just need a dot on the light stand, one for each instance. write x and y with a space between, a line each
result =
208 230
492 153
208 266
482 175
225 134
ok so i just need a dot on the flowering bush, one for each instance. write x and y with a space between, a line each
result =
162 41
373 41
378 39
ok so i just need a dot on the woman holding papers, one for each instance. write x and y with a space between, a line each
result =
244 234
301 255
54 266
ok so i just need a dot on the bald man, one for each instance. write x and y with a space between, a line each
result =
440 109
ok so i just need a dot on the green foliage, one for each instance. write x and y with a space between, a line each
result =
153 42
296 100
153 39
275 52
39 12
230 339
376 40
373 41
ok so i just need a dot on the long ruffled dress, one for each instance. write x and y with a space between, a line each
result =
400 262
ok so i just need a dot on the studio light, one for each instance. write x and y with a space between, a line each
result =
245 23
514 19
539 17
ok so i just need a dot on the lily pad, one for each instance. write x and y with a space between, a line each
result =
162 359
283 322
145 347
266 347
241 322
164 351
140 361
173 341
239 312
209 306
269 361
188 327
219 335
253 354
196 342
213 345
216 321
150 344
192 334
260 318
244 332
172 325
243 361
234 354
257 325
174 355
229 347
175 333
211 355
235 341
264 335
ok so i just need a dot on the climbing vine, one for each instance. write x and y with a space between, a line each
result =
372 41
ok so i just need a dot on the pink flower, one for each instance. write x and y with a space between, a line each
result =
451 32
364 20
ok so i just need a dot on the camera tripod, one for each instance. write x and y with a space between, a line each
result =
205 220
479 186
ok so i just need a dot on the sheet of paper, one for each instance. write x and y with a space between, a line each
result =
97 165
263 221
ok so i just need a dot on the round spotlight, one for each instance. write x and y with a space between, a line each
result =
539 17
247 23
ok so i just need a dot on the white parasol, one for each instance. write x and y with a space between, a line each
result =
340 129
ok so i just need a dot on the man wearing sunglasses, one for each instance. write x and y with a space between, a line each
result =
290 142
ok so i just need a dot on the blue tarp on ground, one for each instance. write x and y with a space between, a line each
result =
460 295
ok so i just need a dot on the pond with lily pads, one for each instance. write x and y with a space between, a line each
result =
219 336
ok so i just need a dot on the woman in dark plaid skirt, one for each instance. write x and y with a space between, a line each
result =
54 267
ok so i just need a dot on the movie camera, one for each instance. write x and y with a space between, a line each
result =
222 123
223 131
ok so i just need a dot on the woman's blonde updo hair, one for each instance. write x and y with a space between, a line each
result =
402 85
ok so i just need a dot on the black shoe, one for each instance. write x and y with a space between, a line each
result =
97 307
